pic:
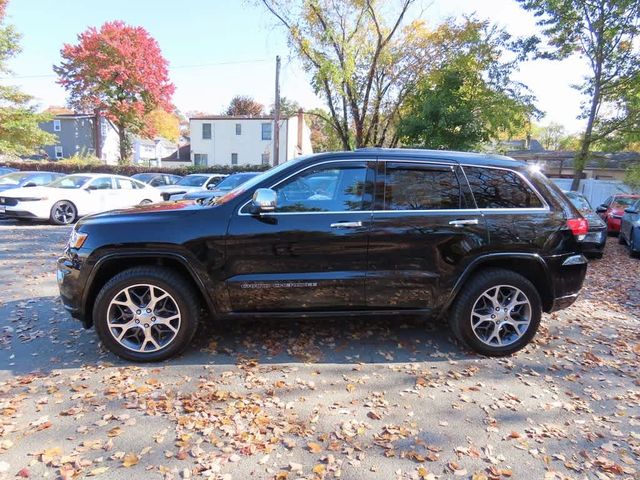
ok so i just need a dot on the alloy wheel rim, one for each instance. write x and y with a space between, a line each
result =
64 213
143 318
501 316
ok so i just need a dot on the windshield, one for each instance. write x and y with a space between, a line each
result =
580 202
255 181
233 181
193 180
623 202
70 181
13 178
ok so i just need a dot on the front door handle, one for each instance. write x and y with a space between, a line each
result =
346 225
462 223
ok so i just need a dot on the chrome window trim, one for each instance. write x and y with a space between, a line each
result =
448 163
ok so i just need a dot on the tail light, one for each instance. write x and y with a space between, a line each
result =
578 226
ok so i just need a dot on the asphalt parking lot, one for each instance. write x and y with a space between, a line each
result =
382 398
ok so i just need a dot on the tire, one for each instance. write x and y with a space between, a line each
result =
146 201
473 295
63 212
170 336
621 238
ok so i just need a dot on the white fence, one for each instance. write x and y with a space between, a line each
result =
596 191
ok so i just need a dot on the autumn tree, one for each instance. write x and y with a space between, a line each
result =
288 108
20 133
163 123
119 72
471 99
242 105
605 32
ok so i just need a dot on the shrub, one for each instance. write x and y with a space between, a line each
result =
83 165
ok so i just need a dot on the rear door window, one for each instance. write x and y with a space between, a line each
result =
499 188
414 186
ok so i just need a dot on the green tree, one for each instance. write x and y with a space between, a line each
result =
632 177
363 58
605 32
549 135
471 100
288 108
20 133
323 136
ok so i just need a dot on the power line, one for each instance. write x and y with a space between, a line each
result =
177 67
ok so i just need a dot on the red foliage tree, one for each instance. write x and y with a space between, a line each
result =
119 72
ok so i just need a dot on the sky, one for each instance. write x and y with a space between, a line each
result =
221 48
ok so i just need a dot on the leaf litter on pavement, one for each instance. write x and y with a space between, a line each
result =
379 398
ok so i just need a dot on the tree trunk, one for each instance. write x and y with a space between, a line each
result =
124 145
581 159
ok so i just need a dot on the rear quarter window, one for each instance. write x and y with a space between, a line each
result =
498 188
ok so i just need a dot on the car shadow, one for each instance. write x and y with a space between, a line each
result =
38 335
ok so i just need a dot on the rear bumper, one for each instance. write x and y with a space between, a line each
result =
567 276
613 224
593 244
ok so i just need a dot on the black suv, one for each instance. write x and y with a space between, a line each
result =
480 240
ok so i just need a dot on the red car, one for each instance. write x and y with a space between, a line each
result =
612 210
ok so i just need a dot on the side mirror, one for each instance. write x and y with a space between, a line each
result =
29 184
601 209
91 187
630 210
264 200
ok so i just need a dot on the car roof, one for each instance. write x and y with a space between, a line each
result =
467 158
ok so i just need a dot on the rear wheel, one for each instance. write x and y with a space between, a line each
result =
63 213
497 313
621 238
146 314
145 202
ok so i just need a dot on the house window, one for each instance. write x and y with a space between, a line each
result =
59 152
206 131
200 159
265 159
56 126
266 131
238 129
234 159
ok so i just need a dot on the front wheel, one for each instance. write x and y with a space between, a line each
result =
63 213
146 201
497 313
634 245
146 314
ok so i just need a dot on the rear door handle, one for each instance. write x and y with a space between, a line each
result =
346 225
462 223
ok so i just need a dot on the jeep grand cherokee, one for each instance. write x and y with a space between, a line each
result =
480 240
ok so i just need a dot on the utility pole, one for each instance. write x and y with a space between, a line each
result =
276 120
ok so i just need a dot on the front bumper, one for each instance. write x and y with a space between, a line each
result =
71 288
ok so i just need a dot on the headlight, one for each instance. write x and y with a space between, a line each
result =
30 199
77 239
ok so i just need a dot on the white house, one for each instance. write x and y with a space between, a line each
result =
150 152
241 140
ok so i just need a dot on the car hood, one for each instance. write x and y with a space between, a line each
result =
152 212
177 188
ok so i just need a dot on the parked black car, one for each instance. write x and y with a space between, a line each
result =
157 179
593 242
630 229
225 186
481 240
